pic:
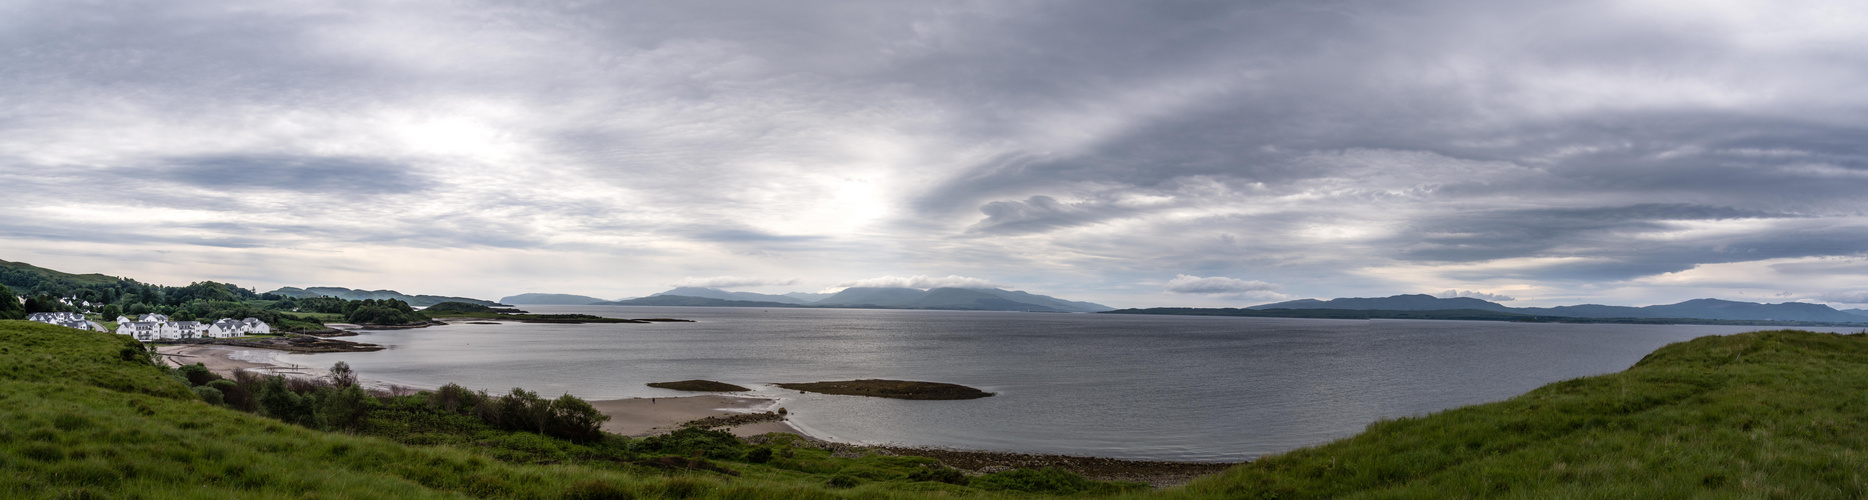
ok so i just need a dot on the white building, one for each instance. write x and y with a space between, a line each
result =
55 317
140 330
254 325
190 329
158 318
227 327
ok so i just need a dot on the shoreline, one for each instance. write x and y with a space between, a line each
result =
643 417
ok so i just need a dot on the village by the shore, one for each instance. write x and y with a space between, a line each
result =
154 327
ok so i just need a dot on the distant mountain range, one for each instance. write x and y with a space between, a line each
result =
550 299
973 299
1710 309
349 294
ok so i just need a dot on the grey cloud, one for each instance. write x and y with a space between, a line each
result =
733 282
1260 121
1449 294
1041 213
1215 285
293 173
1849 297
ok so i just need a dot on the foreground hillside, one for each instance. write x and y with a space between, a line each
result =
1779 414
1766 414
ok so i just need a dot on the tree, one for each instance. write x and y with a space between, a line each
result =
10 307
342 375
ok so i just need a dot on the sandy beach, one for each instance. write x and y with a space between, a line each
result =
638 417
223 360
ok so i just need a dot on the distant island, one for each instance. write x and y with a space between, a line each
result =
894 389
946 298
1417 306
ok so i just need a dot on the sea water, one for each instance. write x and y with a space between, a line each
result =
1193 388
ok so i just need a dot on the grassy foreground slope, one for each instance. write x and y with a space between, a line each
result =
1756 415
1763 414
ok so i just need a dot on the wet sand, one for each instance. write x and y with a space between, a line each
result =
639 417
223 360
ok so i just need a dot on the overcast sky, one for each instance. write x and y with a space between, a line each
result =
1130 153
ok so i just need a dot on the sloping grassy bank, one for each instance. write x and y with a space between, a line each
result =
1778 414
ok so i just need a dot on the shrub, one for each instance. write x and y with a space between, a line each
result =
938 475
196 374
597 490
574 419
1051 480
453 398
342 408
234 395
759 455
687 441
211 395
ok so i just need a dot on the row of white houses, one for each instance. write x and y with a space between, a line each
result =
150 327
158 327
68 320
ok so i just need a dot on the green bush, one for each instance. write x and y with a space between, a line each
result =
718 445
211 395
938 474
1051 480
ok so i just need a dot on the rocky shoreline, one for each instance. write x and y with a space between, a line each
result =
290 343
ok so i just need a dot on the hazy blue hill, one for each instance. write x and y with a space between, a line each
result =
1857 311
683 300
1704 309
980 300
715 293
988 299
349 294
808 297
1047 301
1711 309
873 296
1416 302
550 299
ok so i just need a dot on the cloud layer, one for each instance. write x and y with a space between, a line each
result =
1595 151
734 282
919 281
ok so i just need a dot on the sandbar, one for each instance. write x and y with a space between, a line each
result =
638 417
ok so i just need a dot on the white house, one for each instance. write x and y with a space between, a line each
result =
189 329
55 317
158 318
227 327
254 325
140 330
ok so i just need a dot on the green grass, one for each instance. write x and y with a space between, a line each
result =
1779 414
1776 414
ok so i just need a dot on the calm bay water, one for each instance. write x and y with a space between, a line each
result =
1139 387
